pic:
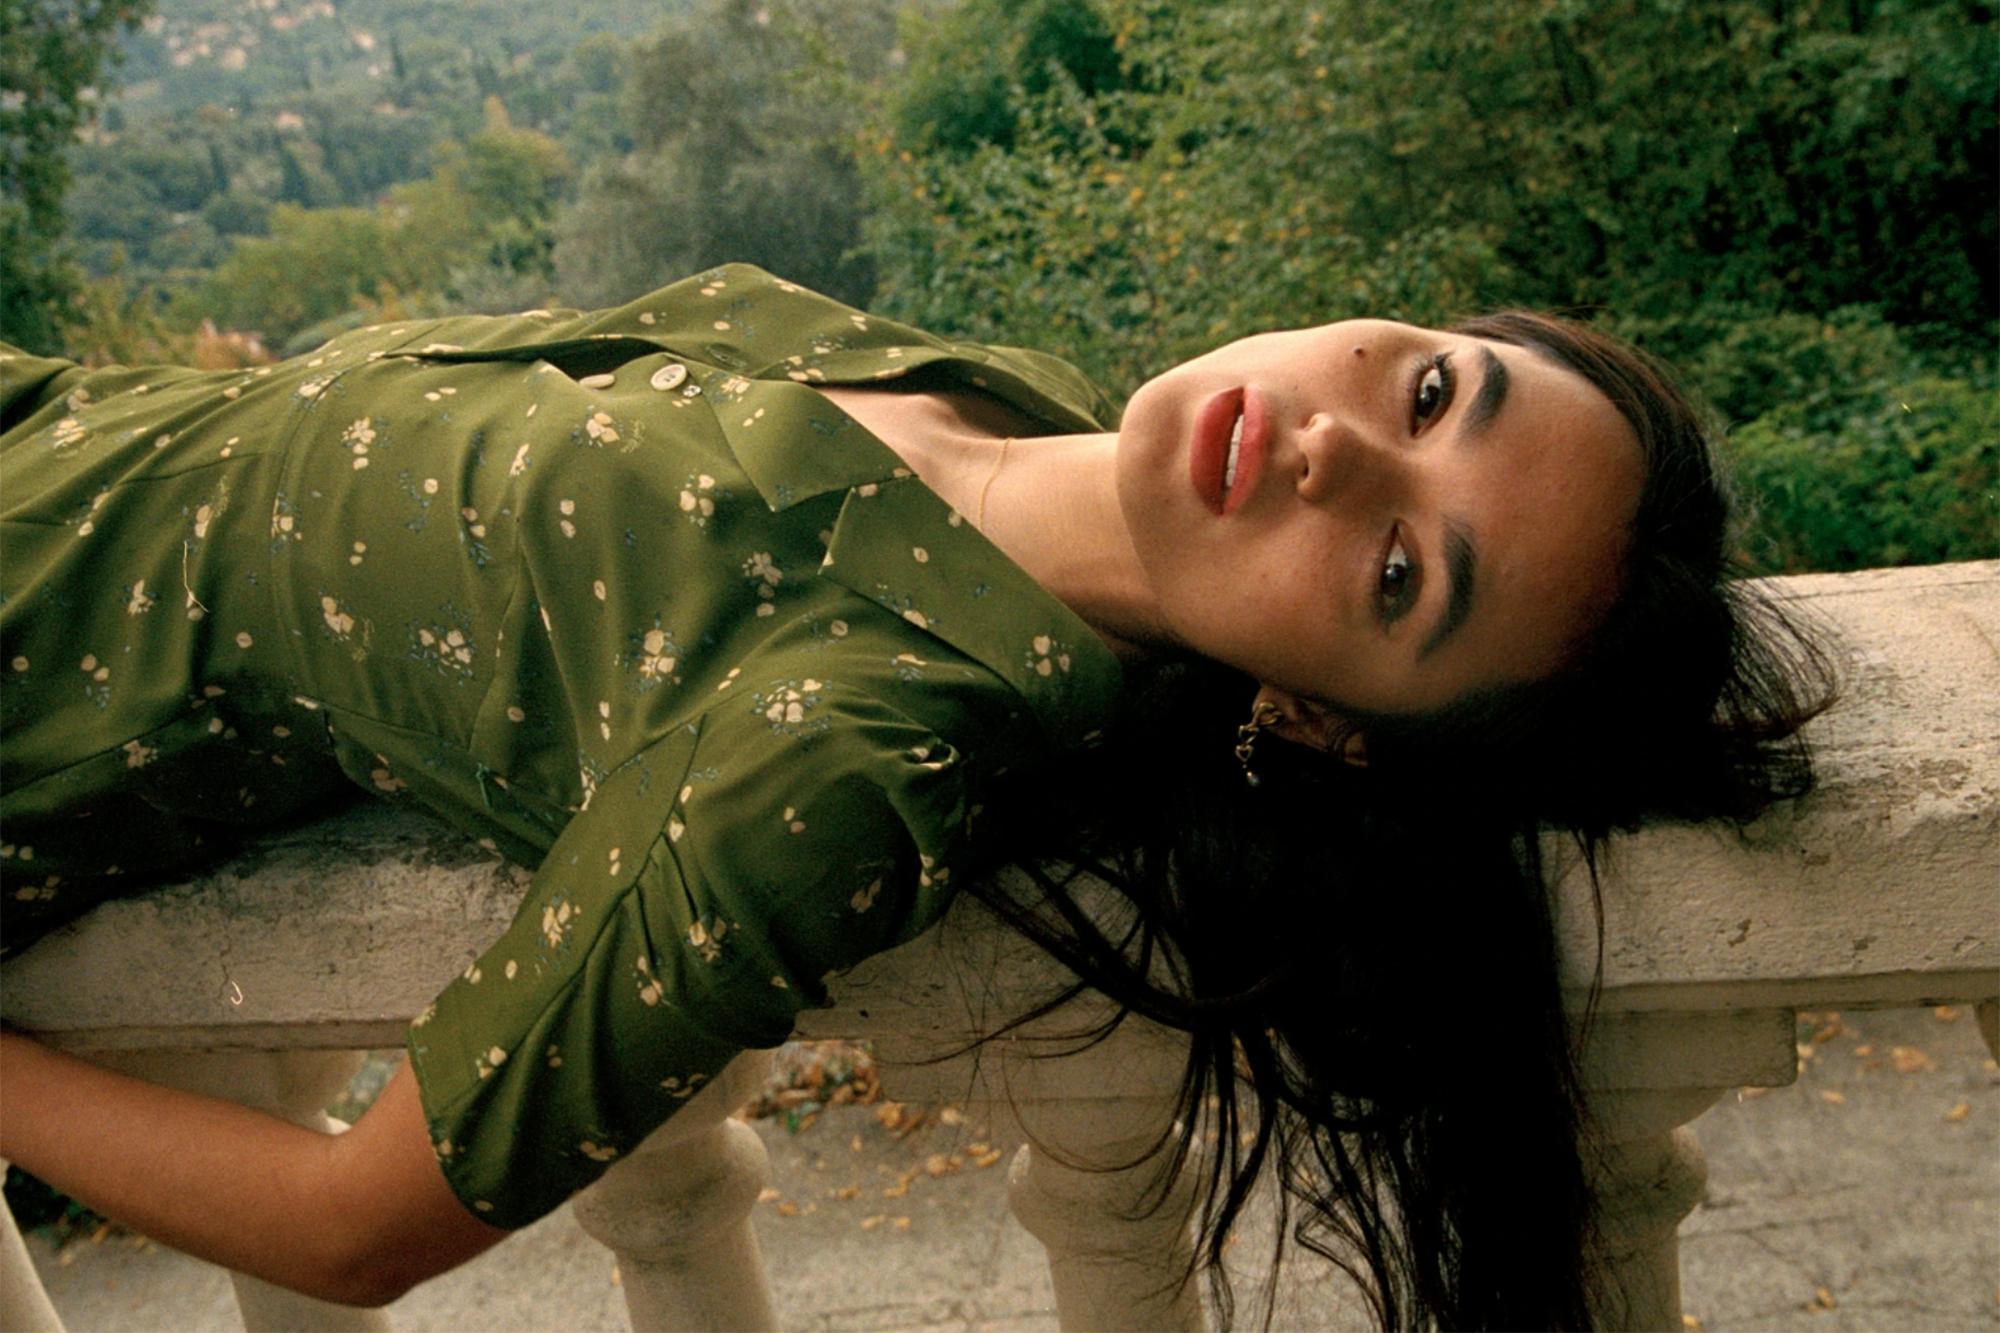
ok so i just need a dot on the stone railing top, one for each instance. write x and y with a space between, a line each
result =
1883 887
1880 890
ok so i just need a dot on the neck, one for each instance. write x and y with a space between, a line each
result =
1053 508
1050 502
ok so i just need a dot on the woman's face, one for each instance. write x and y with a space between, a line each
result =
1409 514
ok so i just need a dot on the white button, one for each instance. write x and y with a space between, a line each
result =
603 381
669 376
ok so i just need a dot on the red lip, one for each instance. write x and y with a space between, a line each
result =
1208 453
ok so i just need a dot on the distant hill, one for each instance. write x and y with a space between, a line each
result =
246 52
219 109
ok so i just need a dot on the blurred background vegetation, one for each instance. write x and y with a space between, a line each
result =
1793 201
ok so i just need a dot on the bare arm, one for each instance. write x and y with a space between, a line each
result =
356 1218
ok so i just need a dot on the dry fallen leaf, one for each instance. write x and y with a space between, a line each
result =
1864 1049
1958 1112
1946 1013
1837 1098
854 1144
897 1190
937 1164
986 1159
768 1195
788 1209
1689 1322
952 1115
846 1192
876 1220
617 1278
1909 1060
901 1224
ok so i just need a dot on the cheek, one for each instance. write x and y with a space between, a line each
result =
1272 602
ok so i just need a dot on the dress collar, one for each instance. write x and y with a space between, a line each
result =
896 542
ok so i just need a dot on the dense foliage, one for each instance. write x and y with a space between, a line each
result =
1795 203
51 53
742 121
229 110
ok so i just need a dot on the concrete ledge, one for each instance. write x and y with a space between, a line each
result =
1883 889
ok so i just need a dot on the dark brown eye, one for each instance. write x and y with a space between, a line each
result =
1395 578
1433 389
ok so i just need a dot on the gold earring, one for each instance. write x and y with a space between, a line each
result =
1263 717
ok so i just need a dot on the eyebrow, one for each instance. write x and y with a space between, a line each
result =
1492 395
1461 568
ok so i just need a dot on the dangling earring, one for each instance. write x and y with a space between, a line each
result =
1263 717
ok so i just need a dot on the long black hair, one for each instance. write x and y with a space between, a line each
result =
1364 959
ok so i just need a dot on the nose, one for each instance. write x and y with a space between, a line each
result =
1342 457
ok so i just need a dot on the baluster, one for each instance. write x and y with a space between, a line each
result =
24 1305
1649 1179
676 1213
1119 1252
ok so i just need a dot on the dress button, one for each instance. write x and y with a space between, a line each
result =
669 376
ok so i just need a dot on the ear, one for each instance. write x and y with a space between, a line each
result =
1309 722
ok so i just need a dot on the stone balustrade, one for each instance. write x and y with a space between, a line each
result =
1882 890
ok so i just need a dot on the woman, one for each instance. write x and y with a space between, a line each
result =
758 658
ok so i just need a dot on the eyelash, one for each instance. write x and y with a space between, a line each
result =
1447 389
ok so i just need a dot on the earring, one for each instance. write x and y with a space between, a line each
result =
1263 717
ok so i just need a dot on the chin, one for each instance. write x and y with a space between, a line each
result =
1149 435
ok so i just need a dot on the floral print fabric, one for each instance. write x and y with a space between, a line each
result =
617 593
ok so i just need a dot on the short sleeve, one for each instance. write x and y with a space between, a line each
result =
685 915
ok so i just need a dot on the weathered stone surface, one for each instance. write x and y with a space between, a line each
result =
332 934
1884 887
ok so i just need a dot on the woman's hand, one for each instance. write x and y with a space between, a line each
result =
356 1218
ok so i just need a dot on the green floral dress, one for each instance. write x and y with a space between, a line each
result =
618 593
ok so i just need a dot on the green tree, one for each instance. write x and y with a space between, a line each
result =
475 234
52 53
960 90
315 264
742 115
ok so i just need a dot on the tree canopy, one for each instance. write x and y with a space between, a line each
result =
52 54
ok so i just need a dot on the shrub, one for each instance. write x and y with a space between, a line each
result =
1906 472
